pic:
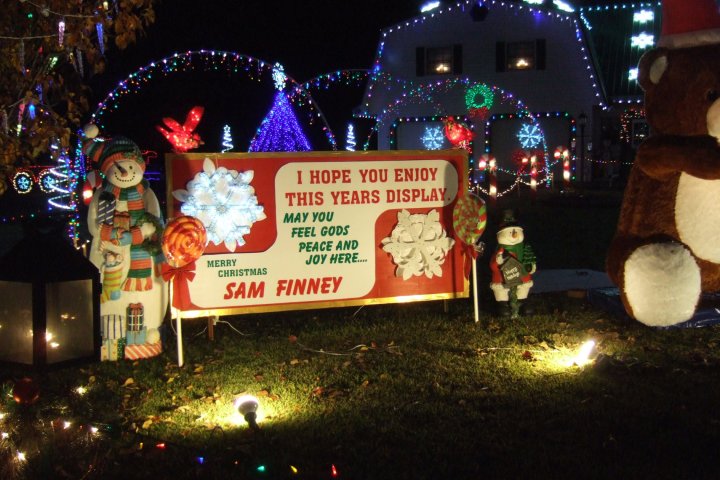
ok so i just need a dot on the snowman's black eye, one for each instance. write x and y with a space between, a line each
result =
712 95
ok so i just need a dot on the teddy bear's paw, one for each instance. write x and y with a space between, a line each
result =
662 284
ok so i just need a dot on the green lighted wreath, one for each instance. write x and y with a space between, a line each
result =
479 90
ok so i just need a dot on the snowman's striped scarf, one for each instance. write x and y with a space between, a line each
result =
139 276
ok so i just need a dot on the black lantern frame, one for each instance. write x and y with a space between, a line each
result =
49 302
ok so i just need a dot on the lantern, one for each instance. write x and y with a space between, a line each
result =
49 301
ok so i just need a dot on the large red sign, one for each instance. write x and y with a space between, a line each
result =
309 230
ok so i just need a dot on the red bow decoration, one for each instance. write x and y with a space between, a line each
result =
180 277
480 114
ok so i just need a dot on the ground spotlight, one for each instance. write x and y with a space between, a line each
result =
583 355
247 406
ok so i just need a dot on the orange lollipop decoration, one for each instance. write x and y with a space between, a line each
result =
183 241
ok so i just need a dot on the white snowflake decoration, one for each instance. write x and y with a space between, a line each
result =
530 136
433 138
224 202
418 244
278 76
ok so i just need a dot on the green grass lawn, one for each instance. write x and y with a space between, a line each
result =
406 391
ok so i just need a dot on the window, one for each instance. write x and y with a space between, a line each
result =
520 56
640 130
526 55
445 60
438 60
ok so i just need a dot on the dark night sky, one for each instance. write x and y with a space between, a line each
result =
309 38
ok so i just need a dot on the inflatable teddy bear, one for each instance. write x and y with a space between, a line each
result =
666 250
512 266
125 222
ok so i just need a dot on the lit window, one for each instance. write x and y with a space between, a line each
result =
445 60
439 60
639 131
520 55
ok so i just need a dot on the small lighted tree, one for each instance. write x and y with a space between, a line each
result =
227 139
350 142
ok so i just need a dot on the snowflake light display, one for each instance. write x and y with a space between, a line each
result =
279 77
418 245
23 181
224 202
433 138
530 136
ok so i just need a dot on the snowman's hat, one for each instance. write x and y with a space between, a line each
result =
689 23
508 221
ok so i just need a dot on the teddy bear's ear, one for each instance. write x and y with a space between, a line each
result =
652 67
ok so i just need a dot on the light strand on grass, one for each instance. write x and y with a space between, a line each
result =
233 328
350 351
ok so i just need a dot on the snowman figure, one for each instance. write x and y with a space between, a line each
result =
125 221
512 267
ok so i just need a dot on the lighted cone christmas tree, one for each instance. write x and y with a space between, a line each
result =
280 130
350 142
227 139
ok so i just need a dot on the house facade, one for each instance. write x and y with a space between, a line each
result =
523 76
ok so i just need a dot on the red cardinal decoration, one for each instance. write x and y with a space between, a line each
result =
458 134
181 137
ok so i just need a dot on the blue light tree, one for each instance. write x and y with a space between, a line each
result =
280 130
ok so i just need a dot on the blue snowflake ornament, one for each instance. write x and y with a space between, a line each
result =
530 135
433 138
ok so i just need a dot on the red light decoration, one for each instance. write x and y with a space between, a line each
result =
458 134
181 137
26 391
564 153
92 181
